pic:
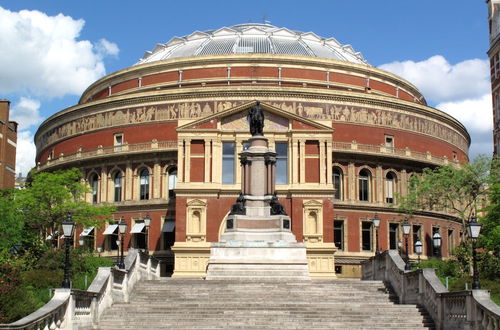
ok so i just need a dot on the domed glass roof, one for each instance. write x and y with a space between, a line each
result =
253 38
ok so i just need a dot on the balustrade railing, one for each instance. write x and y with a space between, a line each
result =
449 310
109 150
70 309
394 152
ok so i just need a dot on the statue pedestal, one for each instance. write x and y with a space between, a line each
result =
258 244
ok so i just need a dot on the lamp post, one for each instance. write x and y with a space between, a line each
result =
436 242
122 228
473 229
406 233
418 249
376 223
147 222
68 229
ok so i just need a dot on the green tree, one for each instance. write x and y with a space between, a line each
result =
11 225
490 232
48 198
461 190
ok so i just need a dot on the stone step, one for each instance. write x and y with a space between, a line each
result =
240 304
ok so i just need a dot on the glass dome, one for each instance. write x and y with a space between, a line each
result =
253 38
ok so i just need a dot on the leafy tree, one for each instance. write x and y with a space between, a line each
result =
11 225
458 189
490 232
46 201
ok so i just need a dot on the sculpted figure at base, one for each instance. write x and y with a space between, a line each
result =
255 119
276 207
239 206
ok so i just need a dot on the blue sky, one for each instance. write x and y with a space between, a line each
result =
440 46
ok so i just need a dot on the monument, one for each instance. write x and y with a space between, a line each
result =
258 242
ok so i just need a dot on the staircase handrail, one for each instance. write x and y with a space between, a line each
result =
471 309
82 308
52 315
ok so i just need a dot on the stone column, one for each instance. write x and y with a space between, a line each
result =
329 163
129 182
187 161
302 160
295 161
322 160
351 175
379 181
207 160
180 160
104 185
156 179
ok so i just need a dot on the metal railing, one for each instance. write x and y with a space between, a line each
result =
471 309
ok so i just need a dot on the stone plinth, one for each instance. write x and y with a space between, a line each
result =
258 244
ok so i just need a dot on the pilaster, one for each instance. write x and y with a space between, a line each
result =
351 183
379 184
128 182
156 179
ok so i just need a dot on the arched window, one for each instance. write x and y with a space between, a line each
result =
364 185
390 185
337 182
94 184
144 185
118 186
172 181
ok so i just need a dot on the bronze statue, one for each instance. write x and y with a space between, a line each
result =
255 119
276 207
239 206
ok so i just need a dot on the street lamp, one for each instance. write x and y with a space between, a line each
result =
473 230
122 228
147 222
68 229
376 223
418 249
436 242
406 233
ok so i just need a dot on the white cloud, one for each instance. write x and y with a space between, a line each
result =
26 113
441 81
41 55
26 151
461 90
106 47
477 116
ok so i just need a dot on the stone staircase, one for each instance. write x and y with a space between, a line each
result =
237 304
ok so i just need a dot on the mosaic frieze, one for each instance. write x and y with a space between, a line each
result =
195 110
238 122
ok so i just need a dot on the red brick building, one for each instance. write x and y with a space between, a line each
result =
162 137
8 145
493 53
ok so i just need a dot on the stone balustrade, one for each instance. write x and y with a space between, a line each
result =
449 310
101 151
74 309
381 150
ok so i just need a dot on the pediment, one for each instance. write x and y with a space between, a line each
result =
253 31
312 202
279 117
196 202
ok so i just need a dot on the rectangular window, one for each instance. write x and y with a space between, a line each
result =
118 141
417 231
281 163
366 236
363 189
393 235
451 241
436 251
337 183
389 141
338 234
228 149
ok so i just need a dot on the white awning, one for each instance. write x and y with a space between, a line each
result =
110 230
168 226
87 231
138 228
